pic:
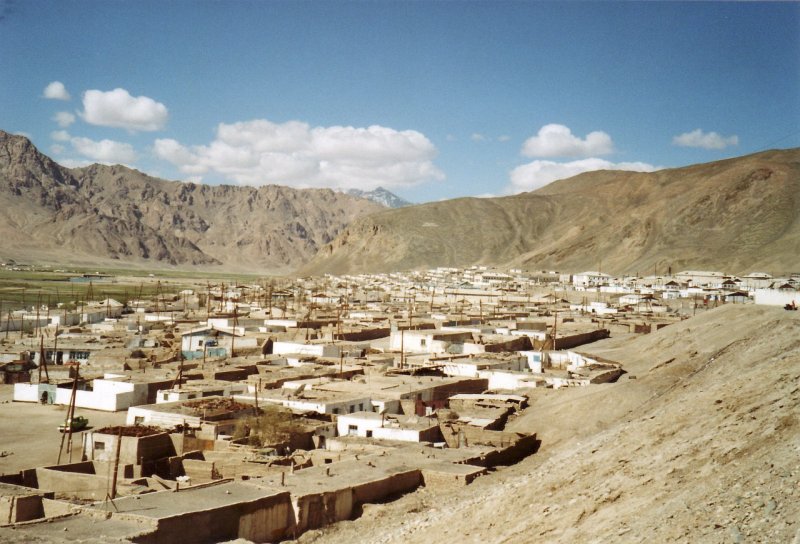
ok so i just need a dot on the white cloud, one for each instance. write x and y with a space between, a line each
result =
104 151
503 138
57 149
536 174
704 140
60 135
73 163
477 137
558 141
56 91
64 119
259 152
119 109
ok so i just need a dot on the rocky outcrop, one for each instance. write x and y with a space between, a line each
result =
101 214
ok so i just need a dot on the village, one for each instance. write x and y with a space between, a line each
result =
265 410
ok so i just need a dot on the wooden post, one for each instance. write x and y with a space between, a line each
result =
70 414
402 349
116 466
555 328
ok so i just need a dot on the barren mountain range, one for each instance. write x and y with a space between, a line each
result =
116 215
738 215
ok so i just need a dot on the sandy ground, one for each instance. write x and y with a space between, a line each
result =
29 432
699 442
702 446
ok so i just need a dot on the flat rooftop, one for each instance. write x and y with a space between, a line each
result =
335 476
165 504
77 528
378 385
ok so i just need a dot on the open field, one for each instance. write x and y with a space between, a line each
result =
29 432
26 288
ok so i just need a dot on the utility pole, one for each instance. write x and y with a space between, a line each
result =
235 323
113 494
43 363
70 414
555 328
402 349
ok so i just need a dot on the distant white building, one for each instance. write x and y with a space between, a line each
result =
777 297
590 279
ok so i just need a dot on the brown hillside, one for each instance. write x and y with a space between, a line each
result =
113 214
701 447
735 215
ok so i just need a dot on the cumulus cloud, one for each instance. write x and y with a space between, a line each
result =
536 174
56 91
477 137
73 163
57 149
64 119
503 138
104 151
555 140
60 135
259 152
704 140
119 109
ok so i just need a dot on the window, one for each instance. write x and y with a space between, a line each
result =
335 410
138 420
360 406
423 342
352 430
165 396
99 446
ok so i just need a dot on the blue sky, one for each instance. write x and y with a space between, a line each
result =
431 100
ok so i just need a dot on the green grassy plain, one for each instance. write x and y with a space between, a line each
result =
44 285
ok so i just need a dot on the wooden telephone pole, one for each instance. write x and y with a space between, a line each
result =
70 414
43 361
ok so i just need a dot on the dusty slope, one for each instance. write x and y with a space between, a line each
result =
112 213
703 446
734 215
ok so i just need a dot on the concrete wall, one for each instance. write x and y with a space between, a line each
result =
159 419
17 508
775 297
574 340
107 395
508 380
133 450
267 519
79 480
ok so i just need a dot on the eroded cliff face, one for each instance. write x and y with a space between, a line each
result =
112 213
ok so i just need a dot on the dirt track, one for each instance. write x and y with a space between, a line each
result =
29 431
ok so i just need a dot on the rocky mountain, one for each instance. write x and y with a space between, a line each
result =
113 214
381 196
737 215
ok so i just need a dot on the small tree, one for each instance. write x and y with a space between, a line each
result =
274 426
